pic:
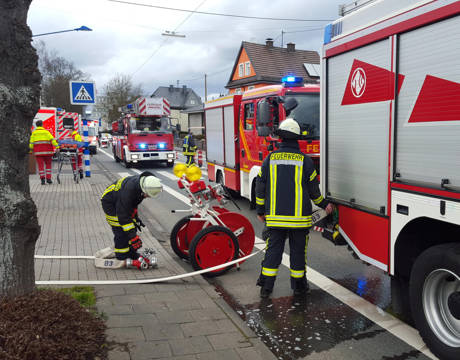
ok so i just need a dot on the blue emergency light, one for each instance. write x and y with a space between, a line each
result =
129 106
161 145
142 146
291 80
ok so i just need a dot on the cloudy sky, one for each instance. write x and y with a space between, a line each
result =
127 39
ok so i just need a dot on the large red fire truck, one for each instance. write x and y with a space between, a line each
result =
58 122
390 151
144 133
237 141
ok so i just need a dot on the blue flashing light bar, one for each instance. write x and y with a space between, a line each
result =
291 80
161 145
129 106
142 146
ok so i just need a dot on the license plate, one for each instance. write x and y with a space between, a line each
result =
152 147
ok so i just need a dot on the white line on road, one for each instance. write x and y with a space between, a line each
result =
388 322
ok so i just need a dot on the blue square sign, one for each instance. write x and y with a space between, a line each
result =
82 92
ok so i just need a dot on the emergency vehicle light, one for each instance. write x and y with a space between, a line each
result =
129 106
142 146
161 145
292 80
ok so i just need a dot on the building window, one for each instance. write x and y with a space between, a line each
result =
251 87
249 116
192 102
241 70
247 68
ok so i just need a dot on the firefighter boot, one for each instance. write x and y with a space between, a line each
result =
266 283
81 173
300 287
43 181
49 181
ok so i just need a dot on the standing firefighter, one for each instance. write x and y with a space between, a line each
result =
189 148
285 184
78 164
42 144
119 202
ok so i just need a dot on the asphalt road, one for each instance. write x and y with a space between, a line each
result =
346 315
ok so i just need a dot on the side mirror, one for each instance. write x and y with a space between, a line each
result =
263 113
263 130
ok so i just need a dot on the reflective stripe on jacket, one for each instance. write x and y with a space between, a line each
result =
188 146
285 184
77 137
42 142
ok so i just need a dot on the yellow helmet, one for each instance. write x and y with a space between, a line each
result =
179 169
193 173
151 185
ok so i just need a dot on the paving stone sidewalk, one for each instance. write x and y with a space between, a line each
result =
183 319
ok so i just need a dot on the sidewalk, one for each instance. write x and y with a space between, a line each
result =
184 319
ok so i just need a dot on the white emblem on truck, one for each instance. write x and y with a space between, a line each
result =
358 82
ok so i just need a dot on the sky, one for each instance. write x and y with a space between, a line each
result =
127 39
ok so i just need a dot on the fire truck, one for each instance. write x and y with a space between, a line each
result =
58 122
390 146
144 133
238 138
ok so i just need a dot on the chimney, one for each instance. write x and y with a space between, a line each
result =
184 88
269 42
171 88
290 47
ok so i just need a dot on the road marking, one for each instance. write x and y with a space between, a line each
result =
377 315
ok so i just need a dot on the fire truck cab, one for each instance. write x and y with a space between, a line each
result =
390 152
144 133
239 130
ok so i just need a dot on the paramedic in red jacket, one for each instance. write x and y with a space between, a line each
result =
43 145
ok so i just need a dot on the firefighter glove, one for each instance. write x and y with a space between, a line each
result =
135 242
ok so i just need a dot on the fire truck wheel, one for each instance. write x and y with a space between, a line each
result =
435 299
117 159
178 238
213 246
169 164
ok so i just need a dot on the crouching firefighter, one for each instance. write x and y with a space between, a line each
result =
285 184
119 202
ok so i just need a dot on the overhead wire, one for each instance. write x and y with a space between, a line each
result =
218 14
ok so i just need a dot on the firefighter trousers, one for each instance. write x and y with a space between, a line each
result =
122 248
44 165
190 159
275 239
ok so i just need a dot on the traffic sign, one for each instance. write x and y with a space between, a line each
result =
82 92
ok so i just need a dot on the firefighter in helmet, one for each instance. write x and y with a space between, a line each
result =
43 145
189 148
119 202
285 185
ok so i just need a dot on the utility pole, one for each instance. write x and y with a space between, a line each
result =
282 35
205 88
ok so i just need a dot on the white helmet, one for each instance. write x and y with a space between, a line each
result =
151 185
289 128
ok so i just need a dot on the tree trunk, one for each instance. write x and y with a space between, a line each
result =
19 101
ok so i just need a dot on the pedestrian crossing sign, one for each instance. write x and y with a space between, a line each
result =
82 92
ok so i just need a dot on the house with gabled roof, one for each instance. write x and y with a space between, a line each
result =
259 65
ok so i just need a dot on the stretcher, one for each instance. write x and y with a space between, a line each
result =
68 154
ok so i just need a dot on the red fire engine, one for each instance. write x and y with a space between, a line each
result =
58 122
390 131
237 140
143 133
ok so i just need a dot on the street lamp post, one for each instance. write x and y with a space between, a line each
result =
81 28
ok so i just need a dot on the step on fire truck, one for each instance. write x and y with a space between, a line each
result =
144 133
390 146
238 139
58 122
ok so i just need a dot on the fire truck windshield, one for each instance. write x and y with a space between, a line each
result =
307 112
139 125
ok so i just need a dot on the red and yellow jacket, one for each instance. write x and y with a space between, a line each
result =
77 137
42 142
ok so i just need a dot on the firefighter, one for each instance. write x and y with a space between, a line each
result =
285 184
119 202
43 145
189 148
79 163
